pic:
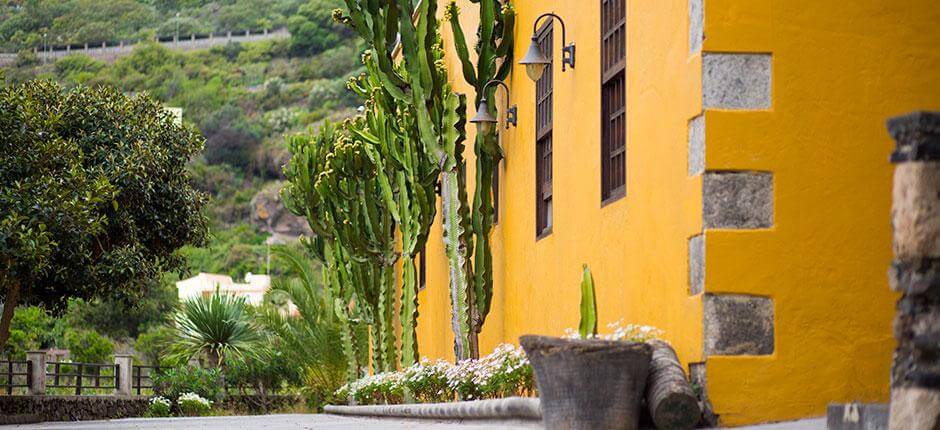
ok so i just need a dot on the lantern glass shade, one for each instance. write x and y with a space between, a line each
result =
483 119
534 61
534 71
485 127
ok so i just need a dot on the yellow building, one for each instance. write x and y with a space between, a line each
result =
741 205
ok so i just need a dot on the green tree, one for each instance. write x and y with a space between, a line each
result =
94 195
154 344
88 346
119 316
313 29
30 329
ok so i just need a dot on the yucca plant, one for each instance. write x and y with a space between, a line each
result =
218 326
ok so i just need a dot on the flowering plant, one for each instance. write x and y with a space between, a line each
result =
505 372
380 388
159 407
194 405
428 381
620 332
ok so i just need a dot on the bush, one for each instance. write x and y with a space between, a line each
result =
154 344
29 330
88 346
159 407
193 405
174 383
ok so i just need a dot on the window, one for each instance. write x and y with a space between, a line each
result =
496 194
543 139
422 268
613 100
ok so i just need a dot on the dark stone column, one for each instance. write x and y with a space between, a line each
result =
915 272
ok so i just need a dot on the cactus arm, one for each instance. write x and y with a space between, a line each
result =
588 325
486 59
482 221
507 36
460 43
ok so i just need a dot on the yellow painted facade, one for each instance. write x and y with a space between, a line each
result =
839 69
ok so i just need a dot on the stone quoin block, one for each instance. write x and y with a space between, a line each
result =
915 408
736 81
696 264
915 213
738 200
915 276
696 25
697 145
737 324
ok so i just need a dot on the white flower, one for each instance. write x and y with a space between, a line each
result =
194 398
160 400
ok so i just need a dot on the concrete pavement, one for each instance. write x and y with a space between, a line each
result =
325 422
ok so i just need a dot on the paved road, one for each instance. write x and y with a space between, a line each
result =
270 422
322 422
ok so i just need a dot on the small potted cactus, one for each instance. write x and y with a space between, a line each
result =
587 382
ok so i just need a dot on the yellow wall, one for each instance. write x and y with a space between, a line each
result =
839 70
636 246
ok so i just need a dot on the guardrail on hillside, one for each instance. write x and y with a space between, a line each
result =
111 50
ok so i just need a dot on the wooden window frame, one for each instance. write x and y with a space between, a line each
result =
544 105
613 111
496 194
423 268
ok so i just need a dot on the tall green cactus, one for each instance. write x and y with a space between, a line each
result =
494 62
438 117
332 183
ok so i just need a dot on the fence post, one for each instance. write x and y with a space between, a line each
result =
37 370
125 367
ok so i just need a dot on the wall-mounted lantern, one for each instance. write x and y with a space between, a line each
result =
535 61
486 121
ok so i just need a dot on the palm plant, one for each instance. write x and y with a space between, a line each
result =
311 337
219 326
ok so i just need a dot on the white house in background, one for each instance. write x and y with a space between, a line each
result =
205 284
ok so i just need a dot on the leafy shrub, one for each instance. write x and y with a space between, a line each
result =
87 346
159 407
29 330
189 379
154 344
193 405
264 375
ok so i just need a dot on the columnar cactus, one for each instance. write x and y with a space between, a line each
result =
494 62
438 116
332 183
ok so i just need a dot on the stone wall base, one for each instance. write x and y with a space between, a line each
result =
21 409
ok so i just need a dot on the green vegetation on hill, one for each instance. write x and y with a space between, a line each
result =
24 22
243 98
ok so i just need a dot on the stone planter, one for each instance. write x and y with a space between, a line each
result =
588 384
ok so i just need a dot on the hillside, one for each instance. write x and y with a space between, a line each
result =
244 98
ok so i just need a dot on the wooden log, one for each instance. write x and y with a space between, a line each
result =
672 403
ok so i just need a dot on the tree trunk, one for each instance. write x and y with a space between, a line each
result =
9 304
212 356
670 398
